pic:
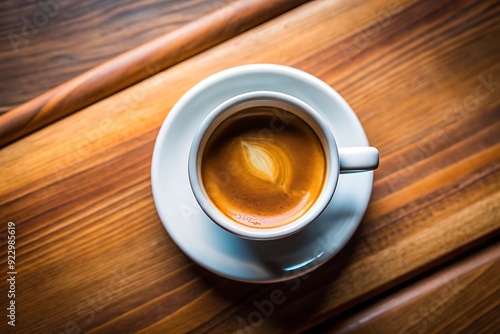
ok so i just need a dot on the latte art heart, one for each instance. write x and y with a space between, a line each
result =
259 177
267 161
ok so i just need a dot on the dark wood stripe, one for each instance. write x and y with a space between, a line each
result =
78 36
84 215
452 298
139 64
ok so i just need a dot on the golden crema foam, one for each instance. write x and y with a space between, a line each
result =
263 167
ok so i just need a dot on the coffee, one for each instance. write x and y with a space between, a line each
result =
263 167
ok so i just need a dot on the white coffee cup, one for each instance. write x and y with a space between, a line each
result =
338 160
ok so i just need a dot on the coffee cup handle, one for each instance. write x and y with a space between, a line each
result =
353 159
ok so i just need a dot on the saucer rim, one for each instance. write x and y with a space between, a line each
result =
220 78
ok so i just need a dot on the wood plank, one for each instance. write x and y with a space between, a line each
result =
463 298
139 63
64 38
95 255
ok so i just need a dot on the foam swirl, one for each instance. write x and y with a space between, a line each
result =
267 162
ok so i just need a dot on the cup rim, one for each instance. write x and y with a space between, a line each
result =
225 110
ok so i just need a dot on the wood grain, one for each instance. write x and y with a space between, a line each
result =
76 36
422 77
463 298
139 63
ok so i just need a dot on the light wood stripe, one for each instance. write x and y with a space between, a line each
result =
138 64
79 188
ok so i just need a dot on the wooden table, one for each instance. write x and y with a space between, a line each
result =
77 36
424 79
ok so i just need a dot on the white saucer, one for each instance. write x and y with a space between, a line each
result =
216 249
